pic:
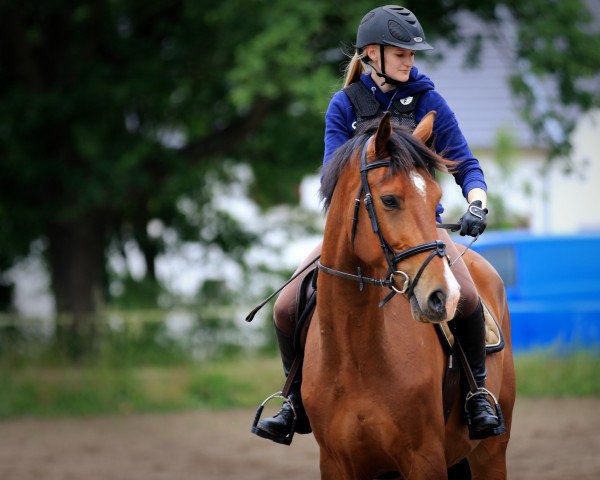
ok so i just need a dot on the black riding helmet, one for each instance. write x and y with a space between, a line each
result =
391 25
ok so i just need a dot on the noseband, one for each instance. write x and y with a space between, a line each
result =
438 248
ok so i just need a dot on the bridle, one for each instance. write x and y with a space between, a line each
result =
437 248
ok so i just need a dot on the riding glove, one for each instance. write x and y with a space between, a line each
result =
473 222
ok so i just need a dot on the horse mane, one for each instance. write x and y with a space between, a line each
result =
405 151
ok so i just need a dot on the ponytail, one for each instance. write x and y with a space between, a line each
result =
354 69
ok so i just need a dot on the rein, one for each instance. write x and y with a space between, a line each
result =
437 248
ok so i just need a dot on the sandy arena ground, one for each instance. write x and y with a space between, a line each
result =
552 439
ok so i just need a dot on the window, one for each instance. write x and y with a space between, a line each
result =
504 261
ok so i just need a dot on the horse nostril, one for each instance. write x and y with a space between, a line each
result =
437 301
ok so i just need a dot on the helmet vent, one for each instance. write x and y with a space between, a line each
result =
399 32
368 17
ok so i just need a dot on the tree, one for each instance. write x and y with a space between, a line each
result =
111 110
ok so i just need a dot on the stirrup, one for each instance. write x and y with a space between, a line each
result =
497 430
285 440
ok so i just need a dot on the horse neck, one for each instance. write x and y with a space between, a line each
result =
350 319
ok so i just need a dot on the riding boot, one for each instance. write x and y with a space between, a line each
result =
280 426
481 418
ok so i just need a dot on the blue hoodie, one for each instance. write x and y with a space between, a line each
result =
340 126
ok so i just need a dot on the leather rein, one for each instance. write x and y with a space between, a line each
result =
437 248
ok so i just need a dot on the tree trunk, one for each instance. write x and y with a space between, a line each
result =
76 257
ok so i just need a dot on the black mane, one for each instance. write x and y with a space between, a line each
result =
406 153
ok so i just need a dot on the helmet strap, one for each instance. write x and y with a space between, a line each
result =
382 74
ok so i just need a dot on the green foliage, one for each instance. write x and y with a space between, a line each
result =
146 343
113 112
505 153
559 52
505 150
136 294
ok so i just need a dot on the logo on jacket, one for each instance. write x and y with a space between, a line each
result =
406 101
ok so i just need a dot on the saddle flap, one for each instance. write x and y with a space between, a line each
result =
306 299
494 338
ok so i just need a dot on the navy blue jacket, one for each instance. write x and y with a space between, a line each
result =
340 124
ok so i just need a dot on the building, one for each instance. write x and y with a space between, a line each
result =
545 197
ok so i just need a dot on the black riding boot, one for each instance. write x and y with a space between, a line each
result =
279 427
482 419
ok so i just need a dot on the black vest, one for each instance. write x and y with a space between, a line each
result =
366 106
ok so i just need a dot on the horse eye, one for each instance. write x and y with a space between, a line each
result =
390 201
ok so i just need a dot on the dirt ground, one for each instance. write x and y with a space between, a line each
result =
551 439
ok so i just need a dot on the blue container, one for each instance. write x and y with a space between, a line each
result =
552 286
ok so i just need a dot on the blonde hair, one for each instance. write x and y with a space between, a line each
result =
354 69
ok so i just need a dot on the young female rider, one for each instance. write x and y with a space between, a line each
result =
387 40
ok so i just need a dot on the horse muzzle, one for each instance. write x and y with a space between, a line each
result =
434 306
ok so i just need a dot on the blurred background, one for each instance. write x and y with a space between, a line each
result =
159 168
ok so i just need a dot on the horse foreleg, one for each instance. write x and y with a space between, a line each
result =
488 460
427 466
336 468
330 468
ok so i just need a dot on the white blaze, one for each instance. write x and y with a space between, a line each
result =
453 289
419 182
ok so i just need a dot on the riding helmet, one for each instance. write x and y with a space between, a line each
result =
391 25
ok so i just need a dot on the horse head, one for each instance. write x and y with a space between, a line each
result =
397 228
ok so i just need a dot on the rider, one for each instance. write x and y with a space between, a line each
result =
381 77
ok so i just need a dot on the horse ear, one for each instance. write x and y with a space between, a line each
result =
424 129
383 134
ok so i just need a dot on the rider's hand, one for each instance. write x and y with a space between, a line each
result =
473 222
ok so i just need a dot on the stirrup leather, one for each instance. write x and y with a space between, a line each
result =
284 440
499 429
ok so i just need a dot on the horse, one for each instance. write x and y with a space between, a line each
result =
373 364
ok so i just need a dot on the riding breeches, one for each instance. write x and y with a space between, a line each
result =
286 304
284 311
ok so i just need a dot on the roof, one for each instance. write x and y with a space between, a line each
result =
479 95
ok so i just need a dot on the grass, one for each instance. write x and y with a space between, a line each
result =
240 382
552 374
92 390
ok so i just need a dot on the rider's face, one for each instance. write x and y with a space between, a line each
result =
398 61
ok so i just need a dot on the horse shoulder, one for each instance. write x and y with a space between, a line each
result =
488 282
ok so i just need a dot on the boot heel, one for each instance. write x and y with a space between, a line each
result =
284 440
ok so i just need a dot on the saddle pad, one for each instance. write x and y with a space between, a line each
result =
494 339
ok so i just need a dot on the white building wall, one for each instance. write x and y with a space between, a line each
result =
554 201
574 199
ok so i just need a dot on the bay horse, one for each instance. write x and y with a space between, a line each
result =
372 374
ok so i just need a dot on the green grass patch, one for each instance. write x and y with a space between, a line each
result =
239 382
92 390
548 373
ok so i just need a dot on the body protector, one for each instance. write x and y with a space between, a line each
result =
366 106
